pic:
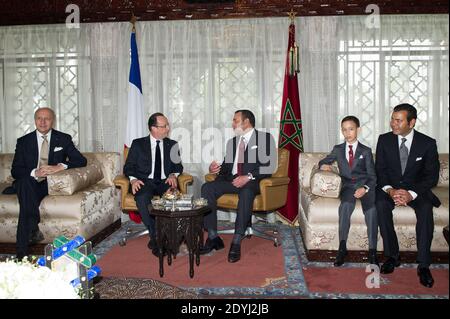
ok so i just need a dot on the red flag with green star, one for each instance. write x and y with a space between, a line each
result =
291 137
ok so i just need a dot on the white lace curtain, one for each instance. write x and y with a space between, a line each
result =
199 72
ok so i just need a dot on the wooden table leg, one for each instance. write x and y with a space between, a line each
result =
191 263
161 263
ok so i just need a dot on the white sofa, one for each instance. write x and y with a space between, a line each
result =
318 217
81 201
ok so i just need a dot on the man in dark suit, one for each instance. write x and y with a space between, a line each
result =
153 165
357 171
250 157
407 166
38 155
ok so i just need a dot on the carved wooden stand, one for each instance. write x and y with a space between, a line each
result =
176 227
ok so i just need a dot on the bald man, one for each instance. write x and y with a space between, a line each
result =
39 154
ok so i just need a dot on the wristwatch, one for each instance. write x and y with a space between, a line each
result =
250 176
366 187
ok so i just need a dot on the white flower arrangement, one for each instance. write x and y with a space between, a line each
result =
24 280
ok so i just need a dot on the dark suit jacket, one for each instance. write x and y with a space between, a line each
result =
139 160
260 157
362 170
27 153
422 169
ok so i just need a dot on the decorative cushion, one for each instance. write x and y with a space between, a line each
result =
325 183
72 180
111 165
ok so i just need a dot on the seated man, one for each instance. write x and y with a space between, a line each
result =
250 157
39 154
407 166
153 165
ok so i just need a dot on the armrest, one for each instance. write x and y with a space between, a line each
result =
183 181
210 177
123 183
274 181
273 192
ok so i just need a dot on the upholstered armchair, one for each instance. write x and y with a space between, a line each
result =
128 203
272 197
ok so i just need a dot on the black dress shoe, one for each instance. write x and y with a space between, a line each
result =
373 257
340 258
389 266
425 277
36 237
235 253
210 244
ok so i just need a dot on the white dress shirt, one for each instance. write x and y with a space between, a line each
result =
347 149
153 147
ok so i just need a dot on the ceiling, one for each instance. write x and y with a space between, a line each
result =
17 12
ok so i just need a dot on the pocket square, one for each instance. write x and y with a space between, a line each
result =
254 147
418 159
57 148
360 156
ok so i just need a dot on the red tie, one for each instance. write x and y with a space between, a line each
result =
350 156
240 163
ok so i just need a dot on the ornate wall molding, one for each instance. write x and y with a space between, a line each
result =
17 12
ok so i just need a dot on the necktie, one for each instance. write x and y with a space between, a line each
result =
403 155
241 150
157 173
43 156
350 156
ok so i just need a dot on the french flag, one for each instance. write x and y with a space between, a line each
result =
135 115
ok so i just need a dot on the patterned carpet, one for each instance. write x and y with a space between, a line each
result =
298 282
302 279
132 288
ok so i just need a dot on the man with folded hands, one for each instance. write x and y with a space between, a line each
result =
39 154
407 165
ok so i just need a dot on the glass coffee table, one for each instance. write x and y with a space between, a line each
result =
175 226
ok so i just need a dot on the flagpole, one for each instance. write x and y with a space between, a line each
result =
292 15
135 114
291 137
133 22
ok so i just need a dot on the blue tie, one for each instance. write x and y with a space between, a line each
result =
157 173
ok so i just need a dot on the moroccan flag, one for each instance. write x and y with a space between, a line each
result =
135 114
291 137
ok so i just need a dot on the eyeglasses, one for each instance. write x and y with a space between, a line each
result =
162 126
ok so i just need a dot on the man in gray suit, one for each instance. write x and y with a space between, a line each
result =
357 171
